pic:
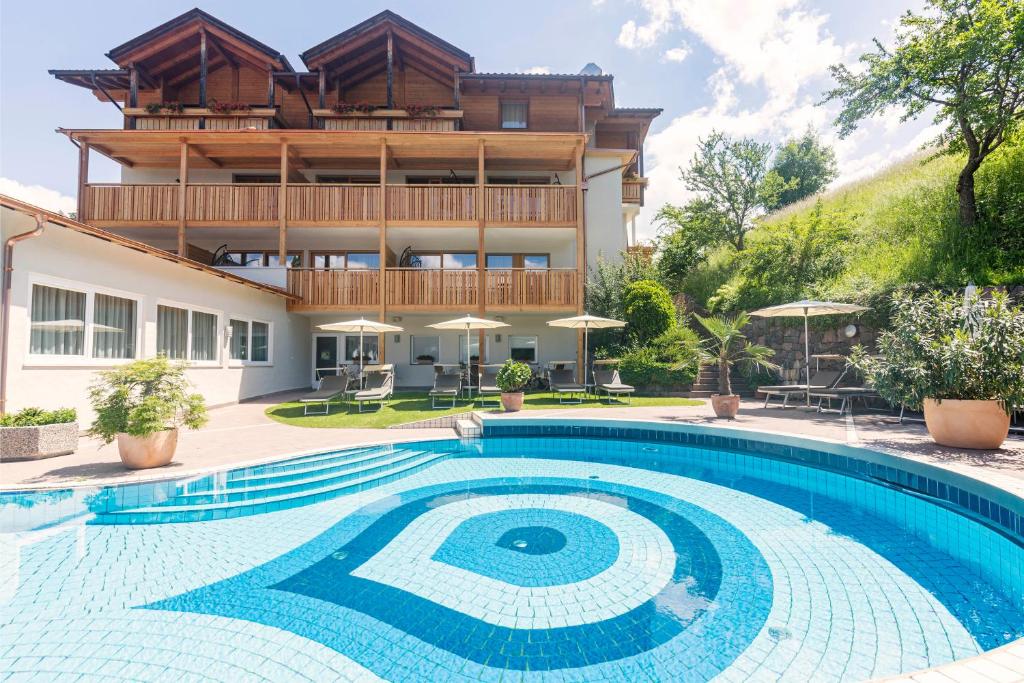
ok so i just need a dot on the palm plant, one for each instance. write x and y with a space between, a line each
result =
727 346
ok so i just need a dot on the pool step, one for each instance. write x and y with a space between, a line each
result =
337 463
468 429
269 499
302 462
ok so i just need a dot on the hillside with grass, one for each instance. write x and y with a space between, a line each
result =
862 241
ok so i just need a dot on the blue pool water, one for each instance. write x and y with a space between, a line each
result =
515 557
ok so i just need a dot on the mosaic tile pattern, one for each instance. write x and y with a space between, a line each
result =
856 580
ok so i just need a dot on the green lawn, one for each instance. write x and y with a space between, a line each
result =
413 406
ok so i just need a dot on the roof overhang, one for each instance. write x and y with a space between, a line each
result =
64 222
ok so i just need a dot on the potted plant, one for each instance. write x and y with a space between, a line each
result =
227 107
419 111
512 377
960 359
172 107
142 404
34 433
727 346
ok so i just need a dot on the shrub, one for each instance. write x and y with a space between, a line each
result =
672 360
144 397
648 310
37 417
947 347
513 376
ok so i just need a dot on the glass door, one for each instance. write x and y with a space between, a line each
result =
325 355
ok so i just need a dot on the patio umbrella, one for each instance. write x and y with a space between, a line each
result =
806 309
586 322
360 326
468 323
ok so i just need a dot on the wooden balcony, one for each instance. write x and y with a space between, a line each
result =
633 190
335 289
415 289
323 205
445 120
195 118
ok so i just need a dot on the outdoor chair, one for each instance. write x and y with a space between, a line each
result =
489 385
608 382
822 380
564 384
379 387
445 387
331 387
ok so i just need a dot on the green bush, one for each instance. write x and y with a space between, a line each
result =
513 376
671 361
144 397
944 347
648 309
37 417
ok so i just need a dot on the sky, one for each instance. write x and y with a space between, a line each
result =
753 68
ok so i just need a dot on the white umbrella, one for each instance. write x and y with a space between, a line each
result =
586 322
807 308
360 326
468 323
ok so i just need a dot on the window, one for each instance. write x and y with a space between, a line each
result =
500 261
425 350
522 348
474 347
250 340
536 261
450 179
292 260
446 260
113 329
340 260
259 259
58 322
513 114
363 261
369 349
186 334
508 261
348 179
459 261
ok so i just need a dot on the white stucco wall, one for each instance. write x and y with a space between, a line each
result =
80 261
606 232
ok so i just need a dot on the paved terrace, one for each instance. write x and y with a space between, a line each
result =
241 433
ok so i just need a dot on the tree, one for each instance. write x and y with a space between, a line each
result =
732 177
962 58
686 236
806 165
648 310
727 346
606 284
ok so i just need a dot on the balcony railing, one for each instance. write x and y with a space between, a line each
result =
633 190
245 204
196 118
443 121
434 289
335 288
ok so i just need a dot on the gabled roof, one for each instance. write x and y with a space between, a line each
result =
71 224
359 35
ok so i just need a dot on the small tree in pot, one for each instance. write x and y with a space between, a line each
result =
960 359
512 377
142 404
727 346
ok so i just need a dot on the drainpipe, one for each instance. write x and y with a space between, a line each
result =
5 325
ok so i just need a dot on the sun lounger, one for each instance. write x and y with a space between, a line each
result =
563 383
331 387
445 387
822 380
379 387
608 382
846 396
489 385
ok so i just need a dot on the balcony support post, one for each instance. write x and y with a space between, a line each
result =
581 256
182 198
391 72
481 282
322 87
383 245
133 93
82 213
202 75
282 208
271 95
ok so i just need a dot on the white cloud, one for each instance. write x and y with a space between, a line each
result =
538 70
633 36
677 54
38 195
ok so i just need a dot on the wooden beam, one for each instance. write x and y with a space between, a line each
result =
359 62
481 274
182 199
133 93
391 70
271 95
282 208
362 75
581 257
201 153
202 68
322 84
382 230
457 90
188 75
83 182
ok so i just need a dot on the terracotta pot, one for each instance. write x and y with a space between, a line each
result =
725 406
966 424
144 452
513 402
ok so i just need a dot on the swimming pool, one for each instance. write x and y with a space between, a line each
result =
548 550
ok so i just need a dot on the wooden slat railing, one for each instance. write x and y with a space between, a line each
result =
431 203
531 204
232 203
529 287
429 288
351 288
355 123
428 124
330 203
633 190
131 203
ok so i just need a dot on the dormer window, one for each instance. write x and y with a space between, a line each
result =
513 114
